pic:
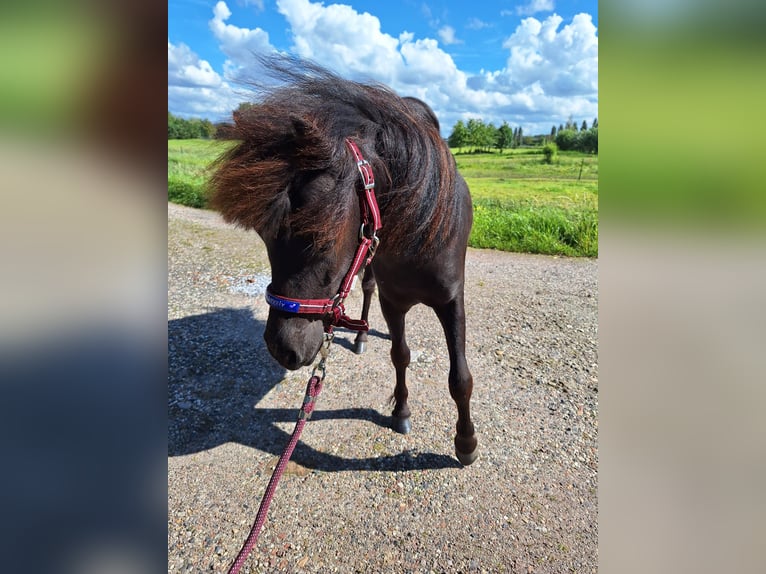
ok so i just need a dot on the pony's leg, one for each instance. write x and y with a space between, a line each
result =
400 357
452 318
368 286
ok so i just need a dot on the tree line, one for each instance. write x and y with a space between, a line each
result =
475 133
483 136
181 129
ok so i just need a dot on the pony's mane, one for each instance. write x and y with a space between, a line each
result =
296 134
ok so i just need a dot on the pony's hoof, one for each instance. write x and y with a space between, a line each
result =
466 459
402 425
360 347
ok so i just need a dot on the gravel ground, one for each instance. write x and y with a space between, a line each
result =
357 496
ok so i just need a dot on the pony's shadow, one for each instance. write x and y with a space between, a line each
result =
218 372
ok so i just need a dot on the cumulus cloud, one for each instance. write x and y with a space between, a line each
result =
338 36
564 62
194 88
447 35
186 69
237 43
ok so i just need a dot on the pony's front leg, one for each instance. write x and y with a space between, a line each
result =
400 357
368 286
452 318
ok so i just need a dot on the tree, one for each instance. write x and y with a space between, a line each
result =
519 135
589 141
595 123
584 126
174 129
553 133
179 128
459 135
473 128
487 136
567 140
207 129
504 137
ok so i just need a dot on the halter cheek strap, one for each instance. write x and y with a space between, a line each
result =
368 243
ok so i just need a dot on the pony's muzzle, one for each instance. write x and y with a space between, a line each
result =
293 341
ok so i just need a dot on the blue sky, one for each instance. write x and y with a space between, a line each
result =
532 63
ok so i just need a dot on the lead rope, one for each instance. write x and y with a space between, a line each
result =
313 389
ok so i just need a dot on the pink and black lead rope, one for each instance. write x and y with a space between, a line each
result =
368 243
313 389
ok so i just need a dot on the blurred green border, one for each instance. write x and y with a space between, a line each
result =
681 103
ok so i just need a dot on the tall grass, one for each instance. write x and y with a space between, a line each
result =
528 228
520 203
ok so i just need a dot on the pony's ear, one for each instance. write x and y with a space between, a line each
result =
300 127
311 149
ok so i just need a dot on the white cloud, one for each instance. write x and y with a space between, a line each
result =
534 6
194 88
341 38
565 62
186 69
237 43
447 34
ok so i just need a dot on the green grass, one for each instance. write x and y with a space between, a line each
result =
524 205
521 204
188 162
526 227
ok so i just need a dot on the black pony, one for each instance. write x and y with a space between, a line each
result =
293 179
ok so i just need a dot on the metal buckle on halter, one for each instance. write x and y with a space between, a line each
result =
372 237
336 302
361 165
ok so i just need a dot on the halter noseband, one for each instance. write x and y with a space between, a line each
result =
368 243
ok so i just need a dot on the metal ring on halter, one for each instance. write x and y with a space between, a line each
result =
324 350
374 245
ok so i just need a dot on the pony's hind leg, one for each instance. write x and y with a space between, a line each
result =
400 357
368 286
452 318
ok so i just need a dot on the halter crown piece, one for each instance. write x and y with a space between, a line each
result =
368 243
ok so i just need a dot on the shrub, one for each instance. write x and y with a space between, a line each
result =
550 152
186 193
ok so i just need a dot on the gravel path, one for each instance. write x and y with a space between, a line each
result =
359 497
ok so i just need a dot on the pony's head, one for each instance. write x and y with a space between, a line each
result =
305 265
289 182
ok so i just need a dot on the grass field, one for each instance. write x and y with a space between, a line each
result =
520 203
188 161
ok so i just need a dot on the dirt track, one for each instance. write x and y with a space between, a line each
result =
359 497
